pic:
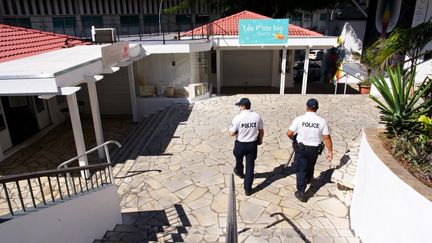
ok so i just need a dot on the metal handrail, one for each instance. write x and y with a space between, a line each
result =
105 145
232 215
86 173
25 176
71 187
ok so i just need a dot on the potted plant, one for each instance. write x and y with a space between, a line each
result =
369 63
364 86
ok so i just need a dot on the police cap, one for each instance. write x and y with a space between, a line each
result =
244 101
312 103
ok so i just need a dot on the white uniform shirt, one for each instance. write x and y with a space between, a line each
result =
246 124
309 128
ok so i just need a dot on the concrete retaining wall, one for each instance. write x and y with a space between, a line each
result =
82 219
384 207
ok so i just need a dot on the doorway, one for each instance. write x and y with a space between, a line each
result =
20 117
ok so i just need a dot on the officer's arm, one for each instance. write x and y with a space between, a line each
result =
290 134
232 134
329 145
260 135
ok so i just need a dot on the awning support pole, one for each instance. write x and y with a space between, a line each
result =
283 71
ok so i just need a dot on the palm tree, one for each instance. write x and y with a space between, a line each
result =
403 41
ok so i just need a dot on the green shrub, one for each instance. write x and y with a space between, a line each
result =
401 106
416 152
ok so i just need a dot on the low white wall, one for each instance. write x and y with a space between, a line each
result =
384 208
83 219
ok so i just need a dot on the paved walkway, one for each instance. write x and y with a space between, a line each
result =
58 145
198 162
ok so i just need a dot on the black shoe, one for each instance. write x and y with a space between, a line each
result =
241 175
248 193
309 180
300 196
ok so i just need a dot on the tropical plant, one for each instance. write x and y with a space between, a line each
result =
369 63
427 125
401 42
400 108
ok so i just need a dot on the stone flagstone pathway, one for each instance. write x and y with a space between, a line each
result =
194 172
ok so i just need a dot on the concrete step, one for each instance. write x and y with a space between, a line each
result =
135 142
135 233
165 130
137 137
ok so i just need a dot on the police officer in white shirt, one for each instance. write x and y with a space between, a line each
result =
247 127
310 129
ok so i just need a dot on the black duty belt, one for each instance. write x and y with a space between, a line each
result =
237 141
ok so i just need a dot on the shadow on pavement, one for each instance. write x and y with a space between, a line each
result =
132 173
278 173
157 225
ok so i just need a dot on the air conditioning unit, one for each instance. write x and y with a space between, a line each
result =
104 35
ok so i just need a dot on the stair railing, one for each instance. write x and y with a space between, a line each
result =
107 156
29 191
232 214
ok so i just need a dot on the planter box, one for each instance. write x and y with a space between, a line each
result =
389 204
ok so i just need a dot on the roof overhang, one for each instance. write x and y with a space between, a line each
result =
295 42
49 73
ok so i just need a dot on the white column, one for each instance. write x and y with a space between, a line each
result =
94 104
218 71
76 127
283 71
133 93
305 70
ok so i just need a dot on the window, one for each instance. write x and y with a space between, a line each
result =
202 19
150 19
183 19
296 18
20 22
307 20
129 20
64 22
17 101
129 25
65 25
323 17
88 21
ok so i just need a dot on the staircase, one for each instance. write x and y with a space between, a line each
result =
149 137
155 226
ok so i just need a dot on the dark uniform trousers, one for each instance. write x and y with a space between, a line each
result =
249 150
304 163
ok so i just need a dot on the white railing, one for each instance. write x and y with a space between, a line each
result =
86 174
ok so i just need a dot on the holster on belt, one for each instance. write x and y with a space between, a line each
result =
321 147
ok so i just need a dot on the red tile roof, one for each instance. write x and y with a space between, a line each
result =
229 26
16 42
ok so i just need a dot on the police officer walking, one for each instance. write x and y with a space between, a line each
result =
310 129
247 127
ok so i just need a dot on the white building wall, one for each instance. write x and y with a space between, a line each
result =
384 208
247 68
57 116
163 70
42 117
79 220
113 94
